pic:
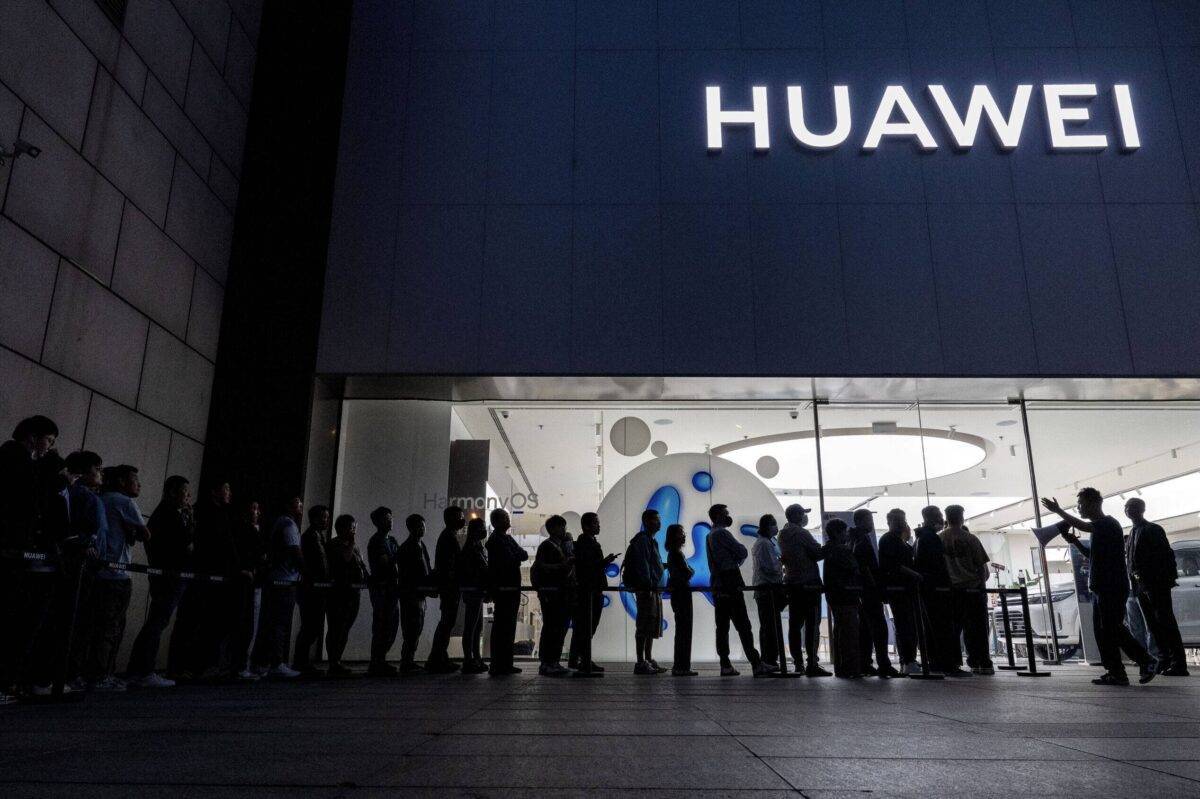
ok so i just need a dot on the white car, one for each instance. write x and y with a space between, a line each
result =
1186 597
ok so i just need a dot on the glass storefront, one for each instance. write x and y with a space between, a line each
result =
879 446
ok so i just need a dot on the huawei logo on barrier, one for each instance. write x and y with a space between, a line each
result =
897 117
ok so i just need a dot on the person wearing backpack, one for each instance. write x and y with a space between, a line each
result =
642 571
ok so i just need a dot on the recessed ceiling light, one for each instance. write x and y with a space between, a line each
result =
663 421
1006 423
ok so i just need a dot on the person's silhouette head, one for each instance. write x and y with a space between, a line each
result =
675 537
1135 509
719 515
500 520
897 520
932 516
589 523
650 521
415 524
476 529
556 526
1091 503
454 518
797 514
767 526
345 526
954 515
295 509
835 531
864 520
381 517
318 517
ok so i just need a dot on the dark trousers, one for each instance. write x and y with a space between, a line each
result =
1160 618
1112 634
944 652
770 623
185 635
873 633
681 606
51 650
804 624
247 602
109 601
971 621
385 621
588 606
556 613
343 610
165 593
28 625
904 616
448 607
847 661
473 625
312 603
412 622
730 607
275 625
504 628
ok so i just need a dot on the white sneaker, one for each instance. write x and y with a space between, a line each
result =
249 675
7 699
151 680
47 690
284 672
109 683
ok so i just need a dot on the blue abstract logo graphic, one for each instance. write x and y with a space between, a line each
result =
669 504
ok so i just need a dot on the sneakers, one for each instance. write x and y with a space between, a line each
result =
983 671
816 671
109 683
645 669
911 668
151 680
553 670
410 667
889 673
7 698
283 672
47 690
441 667
654 665
249 675
1176 670
684 673
474 667
956 672
727 669
504 671
870 671
764 670
77 684
1109 679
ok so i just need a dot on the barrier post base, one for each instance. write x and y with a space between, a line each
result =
1033 674
1008 668
930 676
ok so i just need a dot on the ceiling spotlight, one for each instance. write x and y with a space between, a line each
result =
885 491
795 414
1175 454
504 414
983 474
1012 450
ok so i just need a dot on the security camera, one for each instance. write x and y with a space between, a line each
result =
504 414
795 414
21 147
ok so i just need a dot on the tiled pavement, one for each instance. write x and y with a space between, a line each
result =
621 736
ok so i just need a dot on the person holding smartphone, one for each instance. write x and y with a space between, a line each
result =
590 571
679 578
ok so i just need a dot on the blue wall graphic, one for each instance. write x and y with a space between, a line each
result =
669 504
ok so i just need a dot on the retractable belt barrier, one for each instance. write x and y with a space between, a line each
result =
44 563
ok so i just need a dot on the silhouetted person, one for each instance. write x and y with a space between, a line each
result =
1108 582
472 572
251 547
216 554
799 552
771 600
416 583
899 581
967 562
591 577
643 572
279 594
725 557
505 557
173 533
347 573
679 578
445 561
1152 574
873 628
313 594
929 559
843 588
553 575
89 528
383 557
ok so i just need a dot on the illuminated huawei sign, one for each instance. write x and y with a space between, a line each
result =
897 117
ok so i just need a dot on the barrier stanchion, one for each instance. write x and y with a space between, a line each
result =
1012 661
780 645
1033 669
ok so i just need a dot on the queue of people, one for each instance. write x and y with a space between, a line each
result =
233 586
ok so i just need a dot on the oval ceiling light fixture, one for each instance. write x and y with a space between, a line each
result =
856 457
